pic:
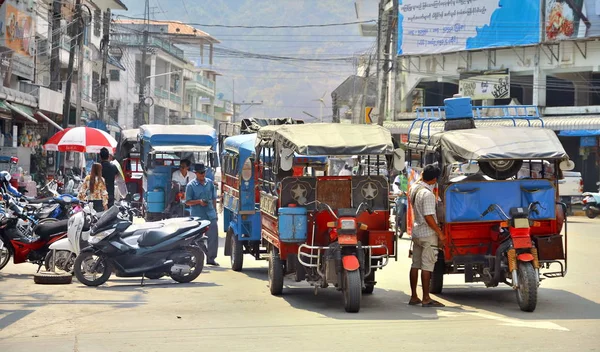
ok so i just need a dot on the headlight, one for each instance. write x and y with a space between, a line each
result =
247 170
99 237
349 224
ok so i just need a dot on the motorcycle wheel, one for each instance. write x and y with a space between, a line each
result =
5 254
83 264
528 287
196 262
590 213
65 261
275 272
352 291
237 253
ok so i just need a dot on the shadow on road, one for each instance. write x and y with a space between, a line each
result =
16 277
503 301
134 284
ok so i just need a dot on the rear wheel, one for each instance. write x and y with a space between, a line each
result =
5 254
590 213
275 272
237 253
528 287
352 291
194 258
500 169
64 261
437 276
92 270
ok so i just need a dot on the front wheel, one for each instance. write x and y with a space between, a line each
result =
275 272
64 260
528 287
194 259
92 270
237 253
352 291
590 213
5 254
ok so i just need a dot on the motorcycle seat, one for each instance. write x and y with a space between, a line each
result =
153 237
47 229
41 200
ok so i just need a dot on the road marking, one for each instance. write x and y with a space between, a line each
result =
534 324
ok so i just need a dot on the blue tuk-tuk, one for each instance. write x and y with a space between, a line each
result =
162 148
241 199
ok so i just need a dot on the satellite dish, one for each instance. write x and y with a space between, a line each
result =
567 165
287 159
399 158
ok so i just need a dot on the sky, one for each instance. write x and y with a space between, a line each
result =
287 88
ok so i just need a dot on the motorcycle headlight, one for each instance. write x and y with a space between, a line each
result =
349 224
99 237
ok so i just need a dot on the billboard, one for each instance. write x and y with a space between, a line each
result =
17 34
572 19
439 26
485 85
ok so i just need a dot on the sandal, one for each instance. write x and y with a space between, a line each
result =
414 303
433 304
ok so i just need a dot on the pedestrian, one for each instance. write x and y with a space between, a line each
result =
109 172
426 235
94 190
201 196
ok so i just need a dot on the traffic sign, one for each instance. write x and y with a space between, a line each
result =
368 111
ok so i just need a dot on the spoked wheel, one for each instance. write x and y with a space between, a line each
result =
64 261
5 254
91 270
275 272
237 253
352 291
528 287
194 258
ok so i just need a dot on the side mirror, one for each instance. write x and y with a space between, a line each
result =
399 158
567 165
136 197
286 159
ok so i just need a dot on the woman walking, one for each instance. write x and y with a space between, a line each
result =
94 190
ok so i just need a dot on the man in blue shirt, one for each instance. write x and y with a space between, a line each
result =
201 196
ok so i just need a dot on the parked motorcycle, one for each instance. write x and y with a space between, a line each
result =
26 239
591 203
175 249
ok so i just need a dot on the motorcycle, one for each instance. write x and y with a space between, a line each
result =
175 249
26 239
591 203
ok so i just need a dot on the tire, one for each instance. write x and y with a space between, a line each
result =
437 276
5 254
237 253
104 266
52 278
275 273
68 266
590 213
528 287
500 170
199 265
369 283
352 291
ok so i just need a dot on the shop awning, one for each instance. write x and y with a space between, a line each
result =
22 110
15 96
87 105
579 133
49 120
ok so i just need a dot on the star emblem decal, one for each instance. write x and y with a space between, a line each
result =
369 191
299 194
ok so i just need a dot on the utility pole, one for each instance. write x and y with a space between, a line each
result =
103 80
394 59
80 50
383 54
141 93
364 95
335 109
56 15
76 29
233 99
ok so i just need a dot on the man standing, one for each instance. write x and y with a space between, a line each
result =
426 234
109 172
201 196
179 180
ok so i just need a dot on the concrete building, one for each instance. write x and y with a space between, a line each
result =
177 91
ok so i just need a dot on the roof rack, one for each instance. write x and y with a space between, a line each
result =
429 114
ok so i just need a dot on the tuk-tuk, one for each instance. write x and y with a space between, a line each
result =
129 154
327 230
162 148
502 224
241 216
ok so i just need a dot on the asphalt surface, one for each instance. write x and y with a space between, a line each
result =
227 311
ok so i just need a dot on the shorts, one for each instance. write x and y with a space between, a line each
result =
425 253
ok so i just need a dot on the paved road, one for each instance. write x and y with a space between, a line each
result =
227 311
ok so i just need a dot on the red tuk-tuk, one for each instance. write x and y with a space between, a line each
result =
503 224
327 230
130 161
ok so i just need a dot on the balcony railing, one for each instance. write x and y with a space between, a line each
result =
205 87
205 81
138 40
203 116
175 98
161 93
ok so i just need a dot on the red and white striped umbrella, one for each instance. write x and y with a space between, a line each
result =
81 139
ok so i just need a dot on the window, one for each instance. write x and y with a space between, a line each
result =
114 75
230 164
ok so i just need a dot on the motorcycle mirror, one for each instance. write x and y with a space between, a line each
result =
567 165
399 158
136 197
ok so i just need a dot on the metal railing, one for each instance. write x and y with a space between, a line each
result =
138 40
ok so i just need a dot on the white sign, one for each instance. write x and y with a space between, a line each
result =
485 87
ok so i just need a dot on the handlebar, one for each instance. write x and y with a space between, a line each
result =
532 208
